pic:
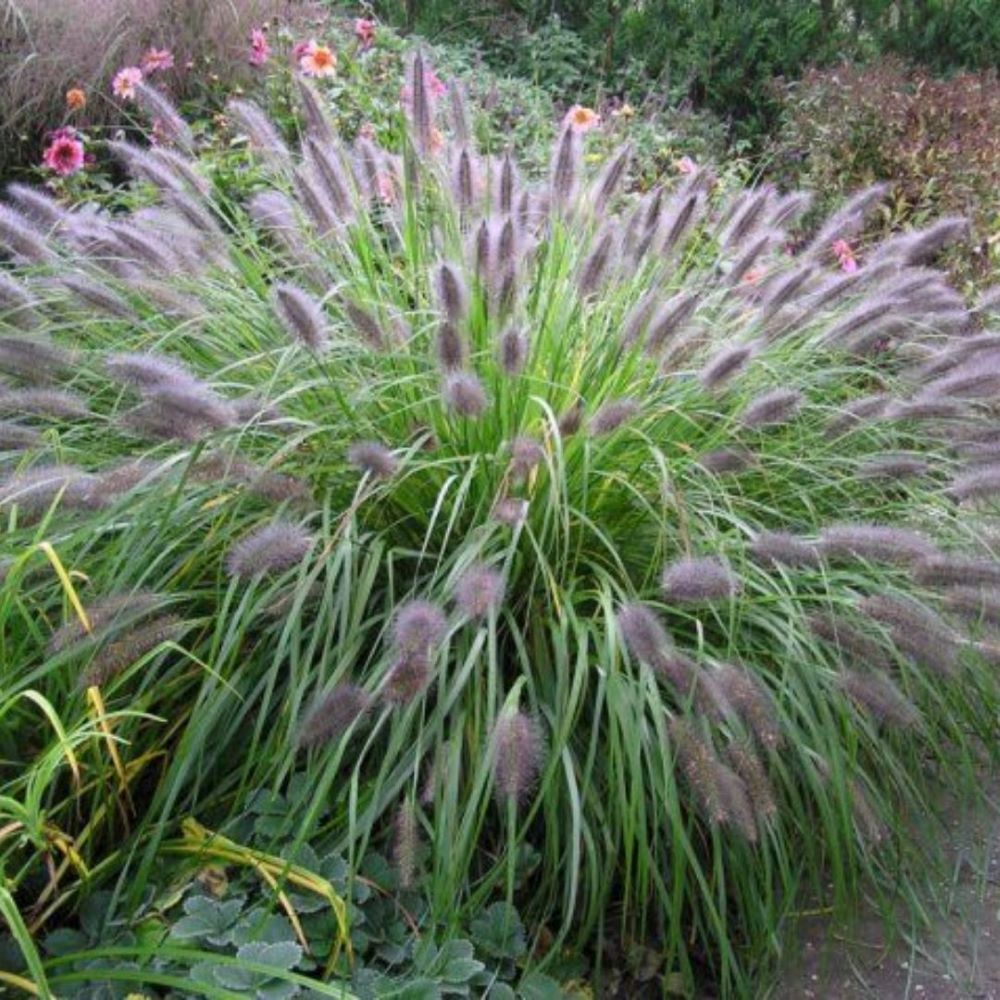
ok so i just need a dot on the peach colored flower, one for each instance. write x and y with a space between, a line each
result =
76 99
123 85
367 131
433 84
318 60
582 119
64 154
259 49
385 188
845 256
685 165
364 30
156 60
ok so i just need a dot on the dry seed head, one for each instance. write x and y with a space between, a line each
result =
518 750
421 111
699 581
760 793
409 677
877 694
170 123
114 612
719 791
333 714
479 591
857 412
16 305
274 548
313 198
594 269
847 221
463 183
916 631
507 188
373 459
367 326
406 844
118 655
850 642
459 113
752 702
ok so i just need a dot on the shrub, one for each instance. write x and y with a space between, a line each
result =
937 141
409 484
50 47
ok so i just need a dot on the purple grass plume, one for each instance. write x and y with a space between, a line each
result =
451 291
104 615
945 570
479 591
513 350
332 715
274 548
699 581
875 543
373 459
612 415
916 631
518 752
727 461
526 454
464 395
406 844
771 408
511 511
780 548
130 645
876 694
752 701
301 315
718 790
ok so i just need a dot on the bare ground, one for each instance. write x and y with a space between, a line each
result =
954 955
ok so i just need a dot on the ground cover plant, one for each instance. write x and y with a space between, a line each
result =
586 553
937 139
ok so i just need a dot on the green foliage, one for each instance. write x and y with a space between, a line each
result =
403 365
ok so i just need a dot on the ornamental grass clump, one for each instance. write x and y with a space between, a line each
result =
585 501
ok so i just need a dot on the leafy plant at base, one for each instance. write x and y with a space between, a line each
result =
556 541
